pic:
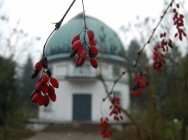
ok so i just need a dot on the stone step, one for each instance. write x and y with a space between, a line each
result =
78 127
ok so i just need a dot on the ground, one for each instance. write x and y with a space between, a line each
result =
66 136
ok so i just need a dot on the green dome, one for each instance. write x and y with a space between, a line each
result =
108 43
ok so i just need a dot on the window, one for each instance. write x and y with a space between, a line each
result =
116 71
117 94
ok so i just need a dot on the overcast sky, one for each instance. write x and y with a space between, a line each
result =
36 16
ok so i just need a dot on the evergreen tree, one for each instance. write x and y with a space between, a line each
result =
8 90
26 87
26 83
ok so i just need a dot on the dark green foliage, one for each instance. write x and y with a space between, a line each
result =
26 83
26 87
8 91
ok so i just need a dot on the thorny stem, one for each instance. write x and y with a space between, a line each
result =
141 50
57 25
84 14
85 25
132 120
122 109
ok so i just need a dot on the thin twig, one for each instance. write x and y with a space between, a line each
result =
122 109
132 120
141 50
57 25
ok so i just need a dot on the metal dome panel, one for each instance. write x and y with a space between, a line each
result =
108 42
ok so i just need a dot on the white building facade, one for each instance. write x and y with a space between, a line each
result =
80 92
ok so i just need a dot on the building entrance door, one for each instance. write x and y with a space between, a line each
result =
81 107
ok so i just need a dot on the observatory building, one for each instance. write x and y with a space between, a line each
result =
80 91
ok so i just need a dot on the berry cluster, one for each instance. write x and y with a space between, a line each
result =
159 50
105 129
84 48
158 58
179 23
140 83
115 109
44 89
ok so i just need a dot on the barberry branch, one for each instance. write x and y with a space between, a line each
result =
132 120
143 47
57 25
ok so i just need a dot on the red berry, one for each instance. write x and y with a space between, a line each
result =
80 49
76 44
90 34
45 88
41 102
54 82
53 98
83 54
51 91
79 61
75 38
44 78
46 100
92 42
94 50
93 62
38 65
36 97
38 87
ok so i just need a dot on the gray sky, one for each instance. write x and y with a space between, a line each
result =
36 16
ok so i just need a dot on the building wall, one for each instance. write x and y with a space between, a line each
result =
74 80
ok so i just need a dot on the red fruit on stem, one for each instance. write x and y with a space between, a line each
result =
93 62
51 91
79 61
92 42
38 87
53 98
94 50
38 65
46 100
35 98
75 38
41 102
54 82
44 78
45 88
76 44
90 34
80 49
83 54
